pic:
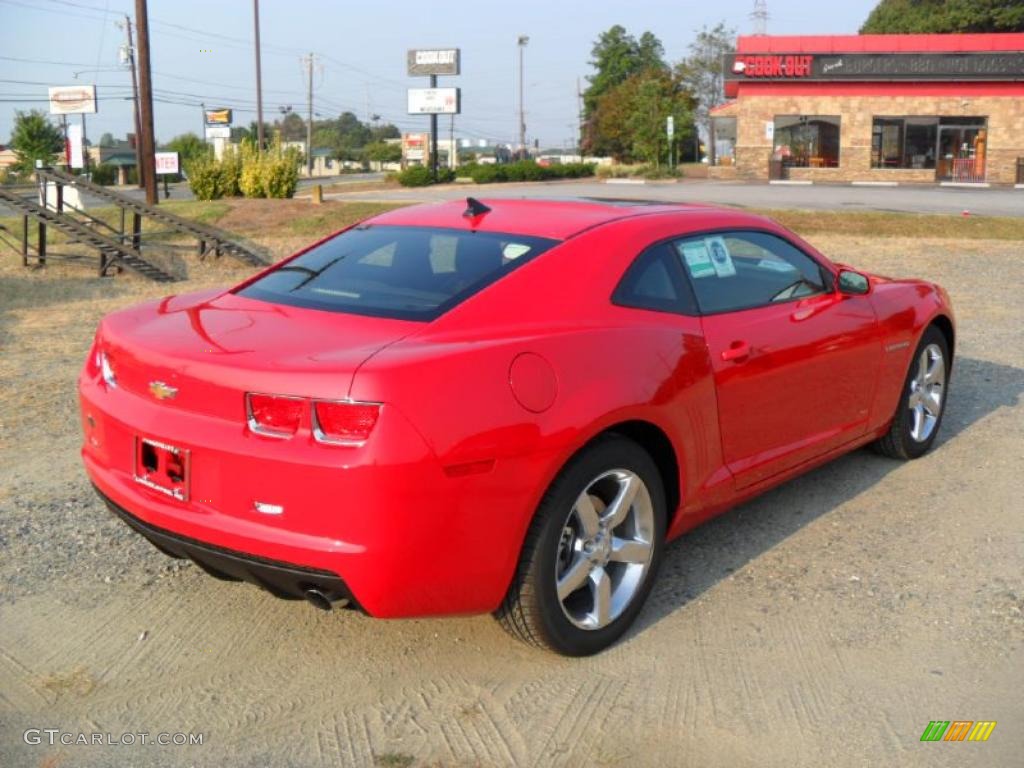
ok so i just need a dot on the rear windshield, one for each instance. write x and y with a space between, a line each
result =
410 273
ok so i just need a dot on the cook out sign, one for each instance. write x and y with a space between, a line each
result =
773 66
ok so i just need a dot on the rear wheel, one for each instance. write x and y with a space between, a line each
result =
591 553
922 402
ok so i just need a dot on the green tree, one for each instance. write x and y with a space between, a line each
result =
702 71
941 16
189 147
107 140
616 57
381 152
34 138
632 117
292 128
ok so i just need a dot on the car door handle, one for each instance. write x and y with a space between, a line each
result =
737 352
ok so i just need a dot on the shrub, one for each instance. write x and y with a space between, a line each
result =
487 174
204 178
420 176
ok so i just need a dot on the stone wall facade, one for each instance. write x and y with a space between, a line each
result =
1005 140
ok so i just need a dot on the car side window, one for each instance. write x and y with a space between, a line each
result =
655 281
740 270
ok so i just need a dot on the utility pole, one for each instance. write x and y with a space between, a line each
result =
433 136
579 120
202 133
147 156
309 120
135 101
259 78
522 41
760 17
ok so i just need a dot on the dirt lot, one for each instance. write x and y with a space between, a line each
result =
823 624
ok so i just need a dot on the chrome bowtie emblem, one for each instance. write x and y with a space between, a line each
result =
162 391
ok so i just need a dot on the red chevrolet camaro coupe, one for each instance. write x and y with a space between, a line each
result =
501 407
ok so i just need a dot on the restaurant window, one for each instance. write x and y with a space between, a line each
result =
807 141
904 142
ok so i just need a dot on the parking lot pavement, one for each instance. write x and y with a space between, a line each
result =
993 201
823 624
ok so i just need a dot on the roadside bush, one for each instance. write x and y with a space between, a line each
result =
204 178
420 176
105 174
526 170
244 171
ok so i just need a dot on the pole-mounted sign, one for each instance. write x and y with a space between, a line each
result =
433 101
443 61
73 100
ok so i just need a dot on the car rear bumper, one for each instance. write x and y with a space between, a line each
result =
403 536
284 580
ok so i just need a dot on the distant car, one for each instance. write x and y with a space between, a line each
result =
501 407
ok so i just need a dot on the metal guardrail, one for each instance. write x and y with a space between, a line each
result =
112 252
208 238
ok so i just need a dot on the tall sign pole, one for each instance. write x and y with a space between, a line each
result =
434 101
309 120
433 136
147 153
259 78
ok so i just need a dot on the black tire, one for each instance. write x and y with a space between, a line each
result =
531 610
899 442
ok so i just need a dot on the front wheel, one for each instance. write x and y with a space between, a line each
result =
591 553
918 416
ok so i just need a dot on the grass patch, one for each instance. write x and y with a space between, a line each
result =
335 216
393 760
883 224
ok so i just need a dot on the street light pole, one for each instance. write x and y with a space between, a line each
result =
259 78
522 41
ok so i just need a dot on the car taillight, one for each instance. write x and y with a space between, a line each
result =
106 369
343 422
274 415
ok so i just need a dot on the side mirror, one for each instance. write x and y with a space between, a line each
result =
853 283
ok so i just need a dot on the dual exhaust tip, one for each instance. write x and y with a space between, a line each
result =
323 600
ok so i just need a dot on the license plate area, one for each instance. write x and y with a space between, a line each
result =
163 468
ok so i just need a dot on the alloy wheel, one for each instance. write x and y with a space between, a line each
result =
605 549
927 390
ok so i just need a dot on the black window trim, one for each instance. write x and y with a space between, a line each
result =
828 276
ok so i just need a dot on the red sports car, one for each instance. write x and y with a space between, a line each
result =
506 406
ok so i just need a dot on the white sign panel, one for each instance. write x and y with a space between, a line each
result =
670 126
769 130
433 62
75 146
166 162
218 131
434 101
73 100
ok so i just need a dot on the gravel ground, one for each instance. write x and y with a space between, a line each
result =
824 623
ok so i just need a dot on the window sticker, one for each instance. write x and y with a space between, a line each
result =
697 258
515 250
721 261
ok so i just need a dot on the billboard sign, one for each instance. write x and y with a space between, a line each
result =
415 146
218 116
434 61
73 100
1007 65
434 101
218 132
166 162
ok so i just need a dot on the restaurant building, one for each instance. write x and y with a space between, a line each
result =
873 108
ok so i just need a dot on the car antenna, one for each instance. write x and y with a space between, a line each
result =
474 208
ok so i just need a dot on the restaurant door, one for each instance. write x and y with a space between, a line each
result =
961 153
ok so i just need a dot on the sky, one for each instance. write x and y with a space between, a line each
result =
202 52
